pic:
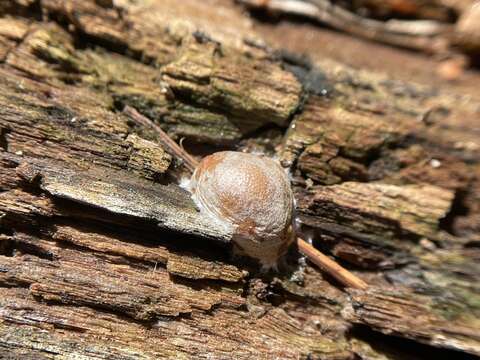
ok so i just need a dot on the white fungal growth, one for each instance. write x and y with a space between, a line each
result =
185 183
251 196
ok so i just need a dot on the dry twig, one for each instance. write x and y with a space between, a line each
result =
331 267
425 35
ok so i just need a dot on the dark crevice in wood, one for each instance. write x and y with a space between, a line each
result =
199 284
7 247
346 263
120 311
193 146
3 138
117 312
358 250
336 229
268 147
28 9
281 295
27 75
88 41
106 222
187 100
336 217
83 40
313 80
32 249
92 215
458 208
473 244
82 216
201 149
15 283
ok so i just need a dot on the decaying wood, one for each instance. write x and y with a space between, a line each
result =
102 256
171 146
387 310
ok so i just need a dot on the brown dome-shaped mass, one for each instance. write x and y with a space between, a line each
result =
251 196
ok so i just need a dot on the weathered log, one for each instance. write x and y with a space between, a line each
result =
103 255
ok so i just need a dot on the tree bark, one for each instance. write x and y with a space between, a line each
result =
103 255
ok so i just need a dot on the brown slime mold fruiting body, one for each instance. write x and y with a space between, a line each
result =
249 195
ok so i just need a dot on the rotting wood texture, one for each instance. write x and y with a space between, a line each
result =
103 255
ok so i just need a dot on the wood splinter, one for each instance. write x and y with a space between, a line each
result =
261 222
329 266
